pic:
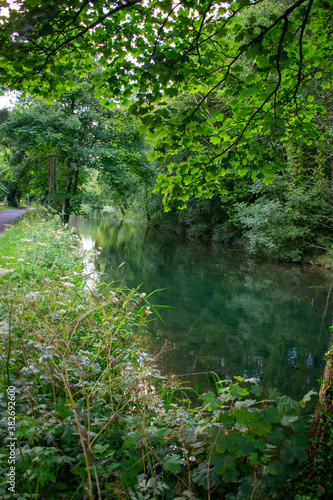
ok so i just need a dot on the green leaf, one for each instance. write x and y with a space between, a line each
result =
173 463
270 469
223 462
253 421
226 442
294 450
270 414
171 92
132 440
202 473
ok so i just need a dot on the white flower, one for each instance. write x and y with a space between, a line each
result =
69 285
32 295
27 240
4 257
143 295
5 271
62 311
42 244
20 260
148 311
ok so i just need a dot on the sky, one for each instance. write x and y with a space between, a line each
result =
7 100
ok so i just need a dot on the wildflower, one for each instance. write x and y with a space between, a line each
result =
27 240
5 271
62 311
42 244
32 295
20 260
4 257
142 295
68 285
63 277
148 311
46 280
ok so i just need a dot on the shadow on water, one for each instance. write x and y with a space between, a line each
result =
228 313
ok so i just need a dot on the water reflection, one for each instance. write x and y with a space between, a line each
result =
228 313
89 268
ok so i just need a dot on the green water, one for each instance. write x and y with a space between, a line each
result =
229 313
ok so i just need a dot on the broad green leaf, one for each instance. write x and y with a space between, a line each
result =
173 463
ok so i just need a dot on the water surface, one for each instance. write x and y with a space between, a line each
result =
229 313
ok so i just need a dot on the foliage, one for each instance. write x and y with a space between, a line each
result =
80 136
94 418
289 219
317 472
272 63
284 220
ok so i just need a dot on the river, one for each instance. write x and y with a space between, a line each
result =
227 312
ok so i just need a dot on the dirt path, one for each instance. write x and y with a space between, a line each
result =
9 216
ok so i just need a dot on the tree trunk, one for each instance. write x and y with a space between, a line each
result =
65 204
146 205
12 197
71 188
52 178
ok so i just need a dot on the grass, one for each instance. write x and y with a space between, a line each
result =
93 418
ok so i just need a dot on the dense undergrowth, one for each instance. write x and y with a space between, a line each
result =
286 220
94 418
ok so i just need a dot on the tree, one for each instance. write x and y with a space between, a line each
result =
56 147
269 71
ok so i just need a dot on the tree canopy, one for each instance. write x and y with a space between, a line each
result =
53 149
273 72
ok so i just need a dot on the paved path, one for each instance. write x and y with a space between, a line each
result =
9 216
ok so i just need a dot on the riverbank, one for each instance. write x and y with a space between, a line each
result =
84 412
